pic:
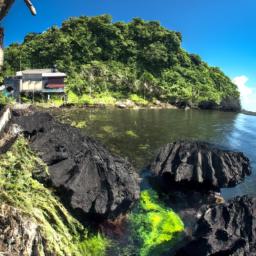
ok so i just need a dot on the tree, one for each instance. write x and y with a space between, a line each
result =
139 57
148 84
155 56
5 5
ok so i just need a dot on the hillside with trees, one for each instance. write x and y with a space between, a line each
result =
137 58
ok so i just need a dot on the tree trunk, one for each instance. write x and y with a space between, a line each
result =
5 5
1 48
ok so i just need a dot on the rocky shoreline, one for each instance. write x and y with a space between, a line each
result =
192 174
90 180
128 104
96 186
227 105
225 229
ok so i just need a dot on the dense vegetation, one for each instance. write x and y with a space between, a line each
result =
121 59
3 100
63 235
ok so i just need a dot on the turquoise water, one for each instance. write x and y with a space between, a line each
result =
138 134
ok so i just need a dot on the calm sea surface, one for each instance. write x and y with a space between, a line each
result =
137 134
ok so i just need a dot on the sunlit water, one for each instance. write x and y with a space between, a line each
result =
138 134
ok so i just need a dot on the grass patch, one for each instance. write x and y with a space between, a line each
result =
96 99
63 234
138 100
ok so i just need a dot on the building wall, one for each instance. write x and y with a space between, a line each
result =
31 83
54 83
31 86
35 83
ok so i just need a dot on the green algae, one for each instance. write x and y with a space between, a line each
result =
63 235
155 227
144 147
79 124
132 134
108 129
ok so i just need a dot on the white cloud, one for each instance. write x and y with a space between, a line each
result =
248 95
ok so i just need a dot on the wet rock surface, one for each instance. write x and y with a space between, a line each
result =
89 179
200 166
226 229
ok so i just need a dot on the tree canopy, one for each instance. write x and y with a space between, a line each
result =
139 57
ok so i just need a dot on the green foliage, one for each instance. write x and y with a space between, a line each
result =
73 98
104 98
139 57
138 100
3 100
64 235
56 100
94 246
156 227
95 99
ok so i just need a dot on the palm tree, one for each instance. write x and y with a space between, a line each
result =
5 6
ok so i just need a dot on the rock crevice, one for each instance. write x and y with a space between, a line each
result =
226 229
200 165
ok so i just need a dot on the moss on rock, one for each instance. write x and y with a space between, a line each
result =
61 233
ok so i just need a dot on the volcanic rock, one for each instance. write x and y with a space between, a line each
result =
230 103
226 229
199 166
209 104
89 179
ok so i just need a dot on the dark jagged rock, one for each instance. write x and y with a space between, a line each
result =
89 179
199 166
182 104
230 104
227 104
208 105
227 229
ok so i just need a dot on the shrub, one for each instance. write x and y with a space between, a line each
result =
73 98
138 100
3 100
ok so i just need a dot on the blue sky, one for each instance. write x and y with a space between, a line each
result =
223 32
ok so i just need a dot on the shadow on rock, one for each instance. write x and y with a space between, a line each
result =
91 182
